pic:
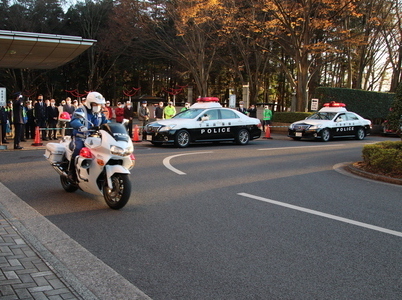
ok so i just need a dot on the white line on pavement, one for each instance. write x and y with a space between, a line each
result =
302 147
325 215
166 161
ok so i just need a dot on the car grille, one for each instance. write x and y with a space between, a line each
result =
301 127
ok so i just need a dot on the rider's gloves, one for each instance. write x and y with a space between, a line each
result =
83 129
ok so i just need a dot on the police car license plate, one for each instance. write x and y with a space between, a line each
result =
149 137
299 134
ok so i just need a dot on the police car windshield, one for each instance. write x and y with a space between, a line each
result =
189 113
322 116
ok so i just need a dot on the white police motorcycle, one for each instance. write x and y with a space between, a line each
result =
102 166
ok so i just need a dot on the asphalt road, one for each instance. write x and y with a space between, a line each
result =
270 220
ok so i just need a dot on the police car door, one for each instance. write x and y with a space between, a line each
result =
340 125
230 120
353 122
211 126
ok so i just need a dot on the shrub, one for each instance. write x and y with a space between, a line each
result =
368 104
290 117
384 157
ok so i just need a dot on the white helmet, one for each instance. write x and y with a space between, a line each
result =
94 97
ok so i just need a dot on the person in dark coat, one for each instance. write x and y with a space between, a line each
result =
252 111
3 122
30 125
70 109
52 117
41 116
129 115
18 119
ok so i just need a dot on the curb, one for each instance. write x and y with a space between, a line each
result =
357 171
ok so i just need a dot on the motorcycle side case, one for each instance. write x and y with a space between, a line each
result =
54 152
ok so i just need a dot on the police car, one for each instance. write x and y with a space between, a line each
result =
331 121
204 121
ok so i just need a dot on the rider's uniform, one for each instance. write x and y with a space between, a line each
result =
92 120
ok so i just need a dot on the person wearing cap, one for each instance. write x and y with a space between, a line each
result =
169 111
186 106
241 108
143 117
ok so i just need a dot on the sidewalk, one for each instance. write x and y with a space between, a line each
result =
24 273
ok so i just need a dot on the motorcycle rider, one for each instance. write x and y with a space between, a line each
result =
86 116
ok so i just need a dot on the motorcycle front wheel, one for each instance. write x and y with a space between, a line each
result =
119 195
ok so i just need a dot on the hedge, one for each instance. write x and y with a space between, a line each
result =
289 117
384 157
370 105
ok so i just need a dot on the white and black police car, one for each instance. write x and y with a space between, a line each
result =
331 121
204 121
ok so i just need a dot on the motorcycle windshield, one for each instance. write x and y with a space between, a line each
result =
117 131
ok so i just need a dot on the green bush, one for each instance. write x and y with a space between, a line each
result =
384 157
289 117
370 105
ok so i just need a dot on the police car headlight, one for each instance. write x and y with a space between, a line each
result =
115 150
315 127
167 128
291 126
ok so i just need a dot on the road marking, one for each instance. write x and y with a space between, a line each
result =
325 215
302 147
166 161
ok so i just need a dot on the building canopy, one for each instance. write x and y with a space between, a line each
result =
27 50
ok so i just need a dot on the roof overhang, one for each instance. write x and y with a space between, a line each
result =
28 50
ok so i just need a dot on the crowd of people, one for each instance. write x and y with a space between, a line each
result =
20 118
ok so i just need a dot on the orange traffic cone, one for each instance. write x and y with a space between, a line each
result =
267 132
37 141
136 137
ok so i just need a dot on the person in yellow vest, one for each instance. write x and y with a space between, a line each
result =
169 111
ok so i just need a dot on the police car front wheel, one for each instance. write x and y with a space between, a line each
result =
325 135
182 139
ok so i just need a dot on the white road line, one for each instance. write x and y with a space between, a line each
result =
302 147
329 216
166 161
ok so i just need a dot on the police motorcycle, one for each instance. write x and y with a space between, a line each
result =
103 164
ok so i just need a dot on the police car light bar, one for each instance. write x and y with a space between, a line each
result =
208 99
334 104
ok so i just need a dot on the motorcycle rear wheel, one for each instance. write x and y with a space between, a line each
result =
118 196
67 185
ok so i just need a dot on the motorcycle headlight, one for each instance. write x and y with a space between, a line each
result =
167 128
116 150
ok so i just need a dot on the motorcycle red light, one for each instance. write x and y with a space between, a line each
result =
85 152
